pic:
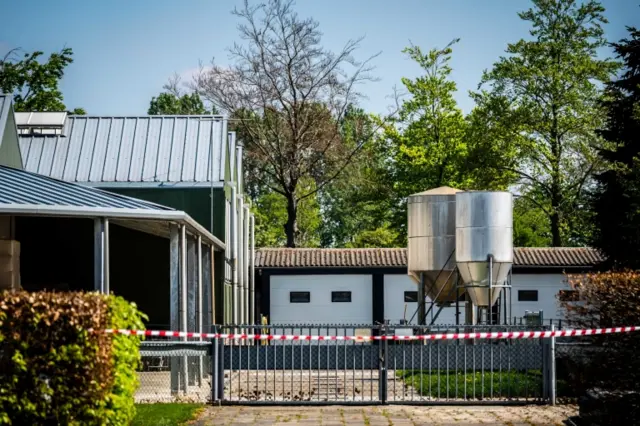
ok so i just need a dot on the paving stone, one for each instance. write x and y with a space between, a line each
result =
387 416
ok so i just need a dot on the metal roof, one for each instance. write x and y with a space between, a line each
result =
129 150
30 194
552 257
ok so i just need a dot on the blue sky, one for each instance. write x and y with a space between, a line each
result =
126 50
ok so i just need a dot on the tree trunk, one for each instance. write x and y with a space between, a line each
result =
556 238
291 227
556 177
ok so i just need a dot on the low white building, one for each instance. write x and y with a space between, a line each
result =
367 286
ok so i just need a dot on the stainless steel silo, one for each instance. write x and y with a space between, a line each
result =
484 230
431 240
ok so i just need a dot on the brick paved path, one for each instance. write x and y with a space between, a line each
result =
387 415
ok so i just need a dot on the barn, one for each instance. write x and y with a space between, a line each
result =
371 285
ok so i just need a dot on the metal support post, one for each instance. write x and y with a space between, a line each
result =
382 366
174 300
252 277
241 263
199 306
101 255
183 299
234 256
421 301
246 262
552 368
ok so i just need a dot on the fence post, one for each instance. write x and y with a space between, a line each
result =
214 369
382 367
552 368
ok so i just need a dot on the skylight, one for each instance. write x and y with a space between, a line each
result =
40 123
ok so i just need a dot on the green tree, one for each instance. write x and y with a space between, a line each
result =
617 198
530 227
356 201
433 144
547 89
34 84
171 104
270 210
289 94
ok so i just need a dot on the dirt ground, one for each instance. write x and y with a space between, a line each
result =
393 415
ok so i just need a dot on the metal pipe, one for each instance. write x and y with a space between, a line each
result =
199 300
101 255
234 255
247 263
252 282
490 305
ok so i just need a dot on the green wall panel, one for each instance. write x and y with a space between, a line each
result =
195 201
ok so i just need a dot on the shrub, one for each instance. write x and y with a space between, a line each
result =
54 370
610 363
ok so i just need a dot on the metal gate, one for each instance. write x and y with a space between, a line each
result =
358 370
301 371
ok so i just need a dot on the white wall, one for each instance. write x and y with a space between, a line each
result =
321 310
547 285
394 287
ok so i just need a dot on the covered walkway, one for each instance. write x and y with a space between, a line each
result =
65 236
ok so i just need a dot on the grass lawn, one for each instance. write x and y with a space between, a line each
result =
474 385
165 414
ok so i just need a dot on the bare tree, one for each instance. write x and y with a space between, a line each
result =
288 95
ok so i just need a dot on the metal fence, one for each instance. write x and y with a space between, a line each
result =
349 371
175 371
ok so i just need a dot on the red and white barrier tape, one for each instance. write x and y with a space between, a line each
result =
448 336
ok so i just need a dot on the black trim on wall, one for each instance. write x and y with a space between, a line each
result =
265 294
377 293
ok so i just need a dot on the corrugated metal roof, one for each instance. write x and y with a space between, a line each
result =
18 187
160 149
397 257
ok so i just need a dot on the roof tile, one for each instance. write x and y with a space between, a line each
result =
397 257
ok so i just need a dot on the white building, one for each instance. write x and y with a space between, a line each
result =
367 286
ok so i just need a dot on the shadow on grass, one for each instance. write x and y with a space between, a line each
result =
165 414
475 385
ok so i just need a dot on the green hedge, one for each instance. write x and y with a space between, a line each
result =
54 370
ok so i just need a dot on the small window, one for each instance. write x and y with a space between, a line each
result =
299 296
527 295
341 296
568 296
410 296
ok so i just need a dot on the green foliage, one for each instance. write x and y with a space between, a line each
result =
474 384
125 357
546 93
54 371
427 141
172 104
271 218
530 225
34 84
355 205
165 414
617 197
384 236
